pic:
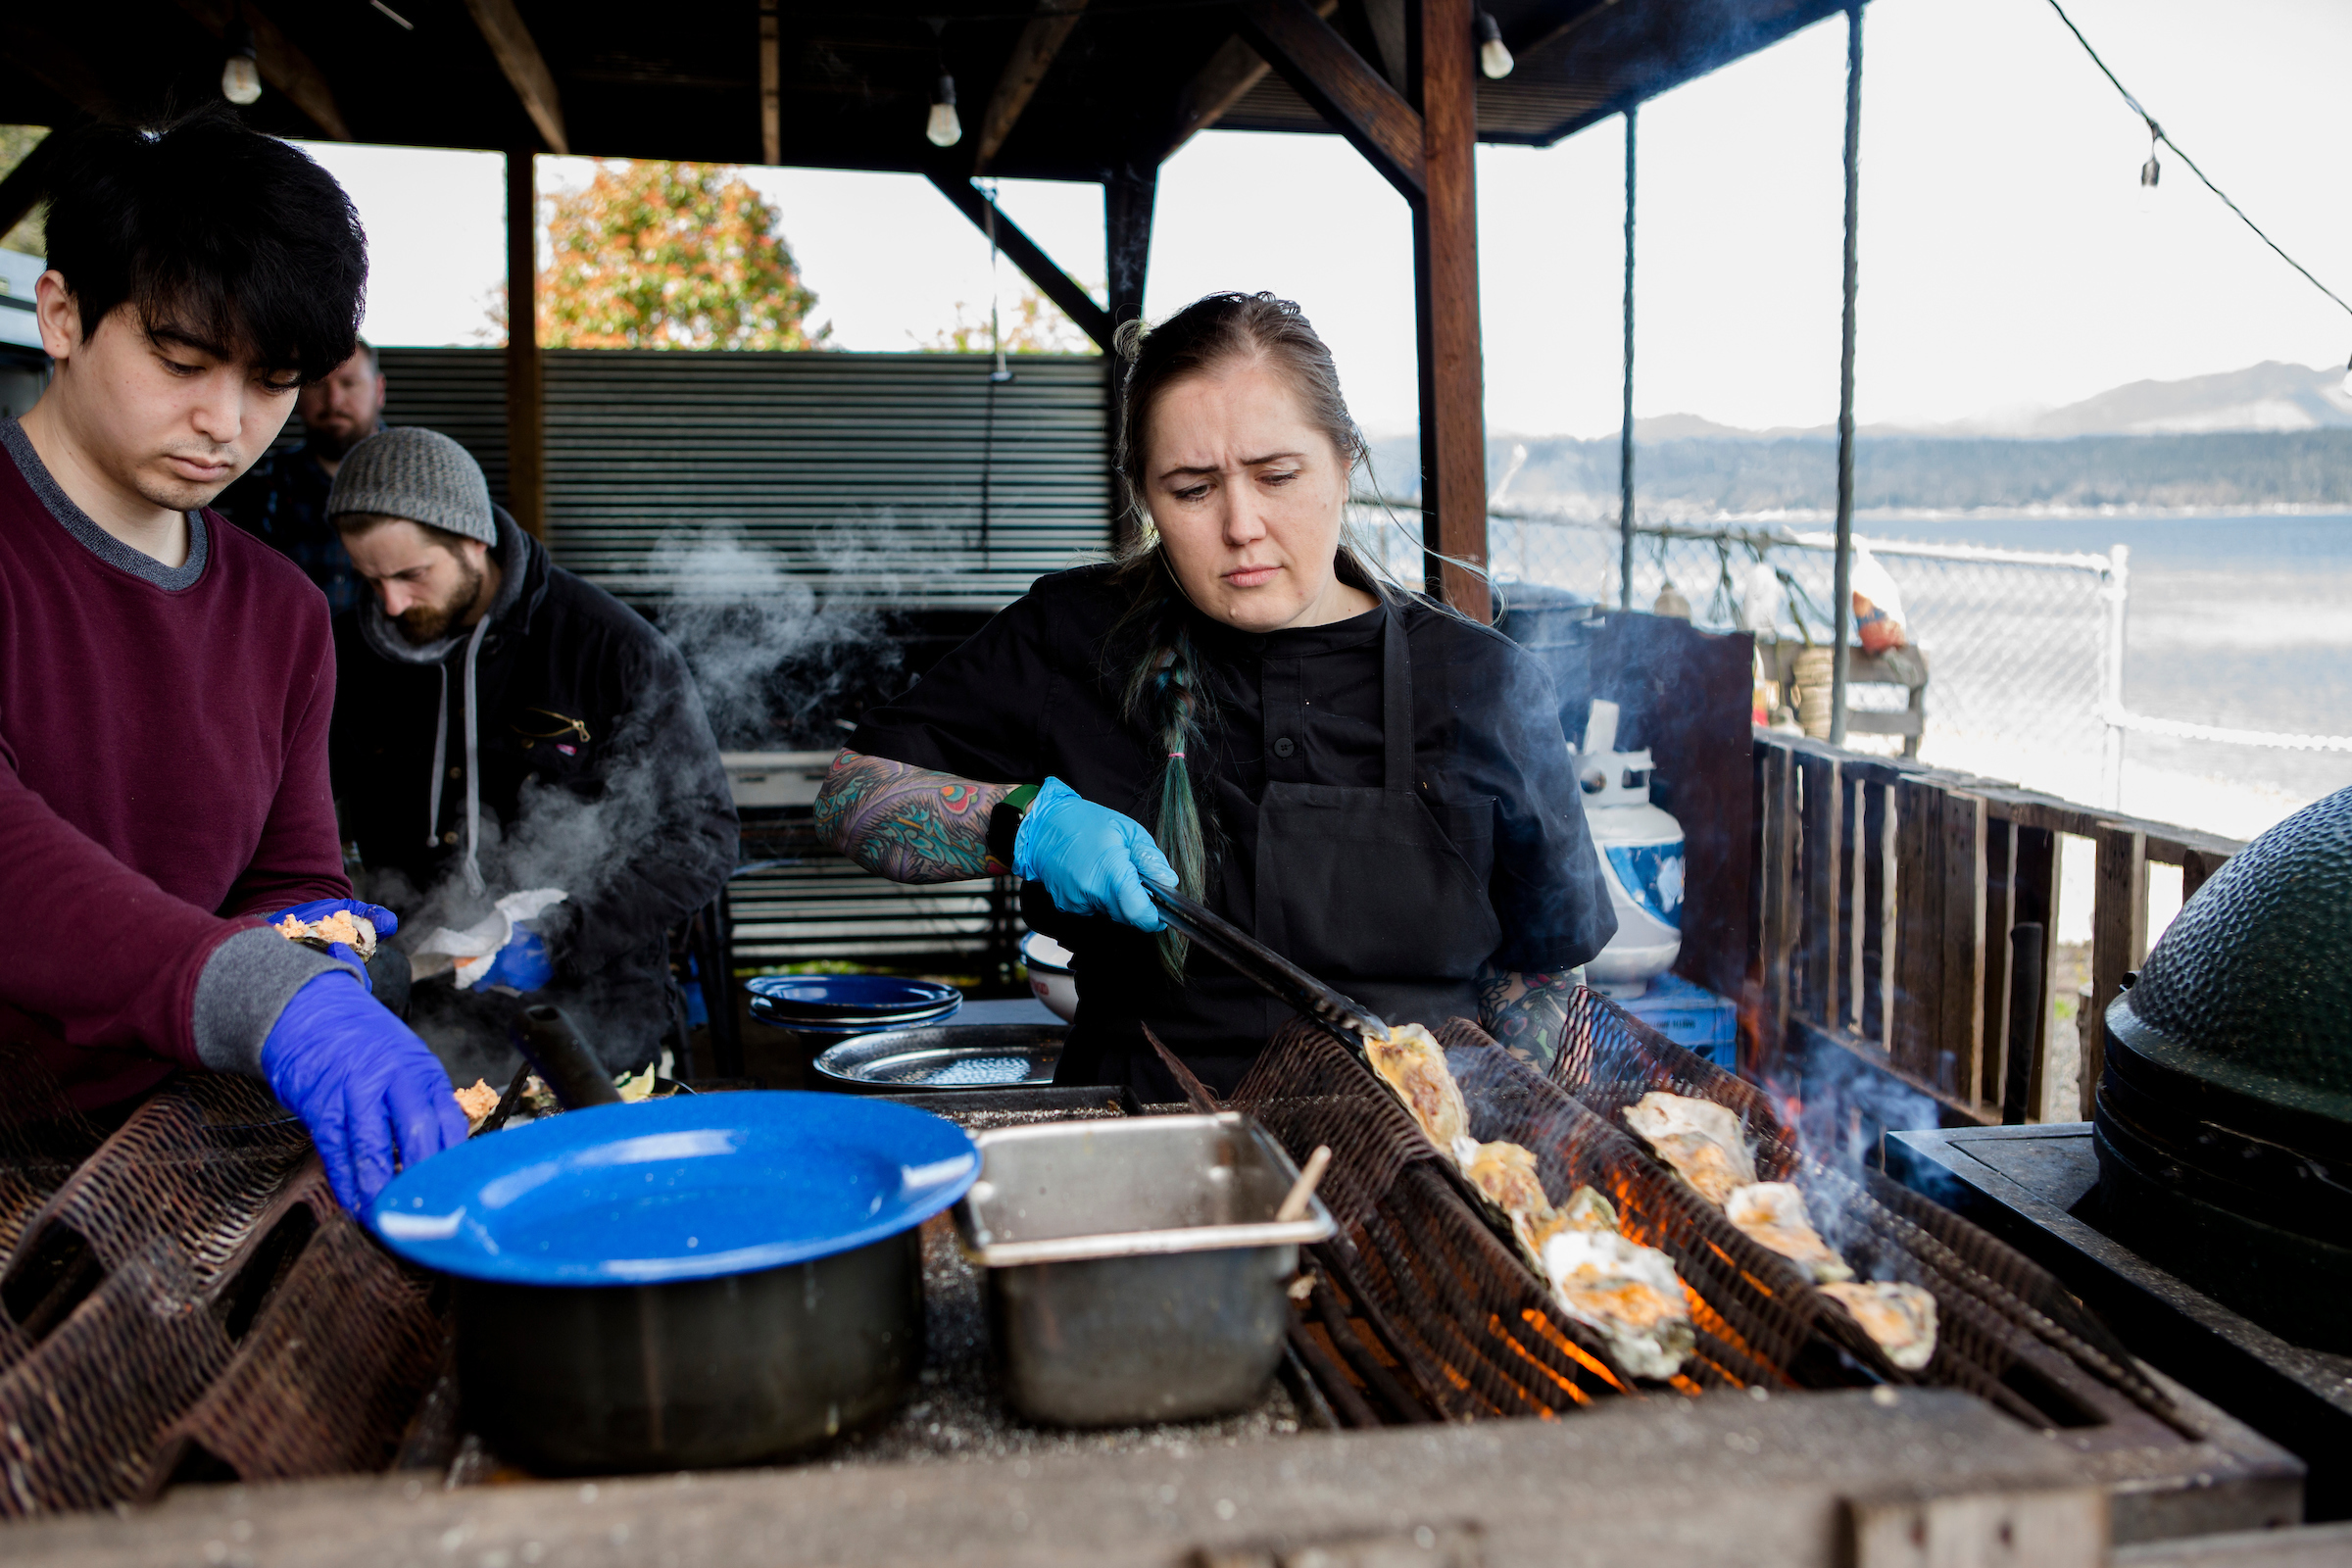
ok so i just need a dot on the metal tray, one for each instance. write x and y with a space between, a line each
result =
1135 1269
951 1059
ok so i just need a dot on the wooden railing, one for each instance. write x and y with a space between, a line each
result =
1908 914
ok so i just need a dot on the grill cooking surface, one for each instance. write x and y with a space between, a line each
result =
185 1300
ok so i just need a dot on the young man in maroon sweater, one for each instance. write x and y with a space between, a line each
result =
165 679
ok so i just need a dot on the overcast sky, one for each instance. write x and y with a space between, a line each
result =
2008 258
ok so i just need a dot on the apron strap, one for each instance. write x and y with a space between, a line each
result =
1396 703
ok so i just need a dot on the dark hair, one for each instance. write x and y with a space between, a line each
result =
1163 690
213 230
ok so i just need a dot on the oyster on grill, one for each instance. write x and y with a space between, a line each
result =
1587 1210
1698 1138
1900 1317
1626 1293
1773 1214
1412 1063
353 931
1505 1173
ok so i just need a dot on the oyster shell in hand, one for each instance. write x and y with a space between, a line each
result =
1773 1214
353 931
1901 1318
1412 1063
1698 1138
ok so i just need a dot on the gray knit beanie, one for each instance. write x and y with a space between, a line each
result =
416 473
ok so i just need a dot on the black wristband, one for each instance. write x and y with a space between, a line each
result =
1005 825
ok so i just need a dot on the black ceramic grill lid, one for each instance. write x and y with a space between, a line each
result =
2224 1121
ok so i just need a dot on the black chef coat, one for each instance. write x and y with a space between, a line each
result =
1038 693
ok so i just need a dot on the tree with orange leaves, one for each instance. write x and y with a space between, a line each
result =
669 255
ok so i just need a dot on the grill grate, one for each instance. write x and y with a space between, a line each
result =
1420 1308
2003 1319
188 1299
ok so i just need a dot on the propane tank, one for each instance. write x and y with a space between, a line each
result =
1640 849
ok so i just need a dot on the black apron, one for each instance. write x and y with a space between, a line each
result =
1365 889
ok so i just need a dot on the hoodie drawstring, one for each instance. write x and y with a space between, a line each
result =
473 793
432 802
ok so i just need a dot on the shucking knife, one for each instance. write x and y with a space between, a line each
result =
1277 976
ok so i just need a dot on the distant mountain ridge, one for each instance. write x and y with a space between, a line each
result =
1698 479
2270 396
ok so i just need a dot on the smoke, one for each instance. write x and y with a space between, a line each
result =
767 650
1840 1109
779 658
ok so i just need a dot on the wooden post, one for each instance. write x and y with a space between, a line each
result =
1822 885
2119 935
1920 935
771 92
2029 1006
526 392
1992 1089
2036 902
1128 198
1958 1064
1875 913
1778 900
1454 430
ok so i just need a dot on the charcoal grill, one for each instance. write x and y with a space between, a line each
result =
1420 1311
2224 1118
163 1288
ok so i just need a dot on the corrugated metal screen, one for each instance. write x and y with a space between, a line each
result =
873 474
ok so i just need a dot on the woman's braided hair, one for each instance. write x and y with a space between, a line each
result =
1163 689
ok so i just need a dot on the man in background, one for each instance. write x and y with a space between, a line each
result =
282 499
559 741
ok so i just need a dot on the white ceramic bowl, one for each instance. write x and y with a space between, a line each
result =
1049 977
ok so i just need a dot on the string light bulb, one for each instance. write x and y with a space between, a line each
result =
945 128
1494 58
240 76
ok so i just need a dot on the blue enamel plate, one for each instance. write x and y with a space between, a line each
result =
832 997
678 1188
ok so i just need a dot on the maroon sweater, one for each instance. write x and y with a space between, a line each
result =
163 771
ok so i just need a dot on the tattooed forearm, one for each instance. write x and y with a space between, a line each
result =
907 824
1526 1012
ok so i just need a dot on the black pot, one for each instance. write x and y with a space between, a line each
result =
694 1373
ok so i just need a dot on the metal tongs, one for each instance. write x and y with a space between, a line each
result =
1277 976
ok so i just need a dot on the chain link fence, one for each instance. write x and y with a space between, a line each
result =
2023 649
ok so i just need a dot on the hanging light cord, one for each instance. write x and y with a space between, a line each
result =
2156 132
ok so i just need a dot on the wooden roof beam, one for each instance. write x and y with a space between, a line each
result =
1032 57
1343 89
282 64
1035 264
526 70
1224 82
25 185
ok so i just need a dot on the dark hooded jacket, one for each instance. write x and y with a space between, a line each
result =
558 743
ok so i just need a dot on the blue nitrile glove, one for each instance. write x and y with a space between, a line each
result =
522 963
361 1083
376 915
1092 859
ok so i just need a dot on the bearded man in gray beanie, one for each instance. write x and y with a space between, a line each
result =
503 726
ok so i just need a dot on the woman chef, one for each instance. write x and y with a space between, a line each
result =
1368 782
